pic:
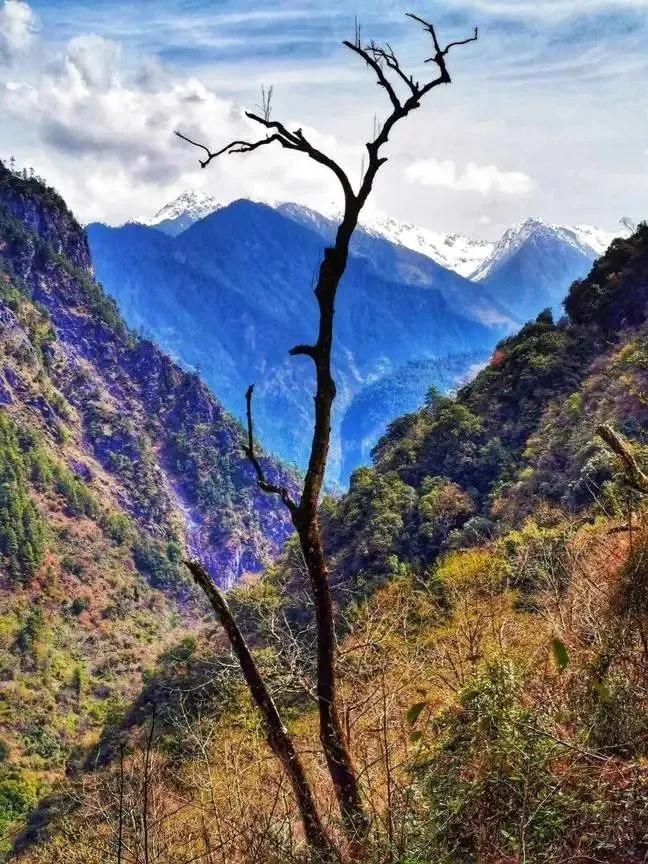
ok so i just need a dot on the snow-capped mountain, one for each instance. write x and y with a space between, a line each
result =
529 268
534 263
453 251
457 252
589 241
178 215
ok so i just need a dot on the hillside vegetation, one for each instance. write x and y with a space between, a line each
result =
491 578
112 461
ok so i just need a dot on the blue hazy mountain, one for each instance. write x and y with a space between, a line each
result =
534 264
232 293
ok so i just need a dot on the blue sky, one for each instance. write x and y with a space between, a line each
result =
547 114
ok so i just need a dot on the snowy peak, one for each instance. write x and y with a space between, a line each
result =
178 215
197 205
589 241
453 251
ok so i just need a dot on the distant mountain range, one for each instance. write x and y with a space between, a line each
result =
231 295
470 257
225 289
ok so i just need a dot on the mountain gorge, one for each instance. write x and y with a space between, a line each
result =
489 573
198 280
230 296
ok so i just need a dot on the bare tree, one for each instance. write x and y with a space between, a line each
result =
405 95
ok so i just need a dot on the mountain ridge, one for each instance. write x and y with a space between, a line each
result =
48 252
230 295
465 255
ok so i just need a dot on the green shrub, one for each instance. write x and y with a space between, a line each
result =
488 777
22 528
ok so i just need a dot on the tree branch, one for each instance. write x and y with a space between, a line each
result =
233 147
280 742
635 476
440 53
263 484
368 54
387 54
308 350
289 140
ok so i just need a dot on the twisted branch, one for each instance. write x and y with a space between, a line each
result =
263 484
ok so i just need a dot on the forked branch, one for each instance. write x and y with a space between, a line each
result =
378 57
384 63
250 452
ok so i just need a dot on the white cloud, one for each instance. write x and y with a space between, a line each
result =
484 179
105 136
17 26
93 61
96 118
554 9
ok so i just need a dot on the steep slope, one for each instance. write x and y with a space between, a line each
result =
231 295
521 434
384 255
113 461
140 413
379 402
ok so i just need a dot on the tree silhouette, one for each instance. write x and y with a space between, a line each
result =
405 95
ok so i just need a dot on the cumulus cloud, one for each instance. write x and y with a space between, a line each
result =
484 179
17 26
106 129
89 107
93 61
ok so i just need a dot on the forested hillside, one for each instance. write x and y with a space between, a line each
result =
521 434
113 461
490 575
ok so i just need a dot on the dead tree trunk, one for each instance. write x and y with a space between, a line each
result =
304 513
278 739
